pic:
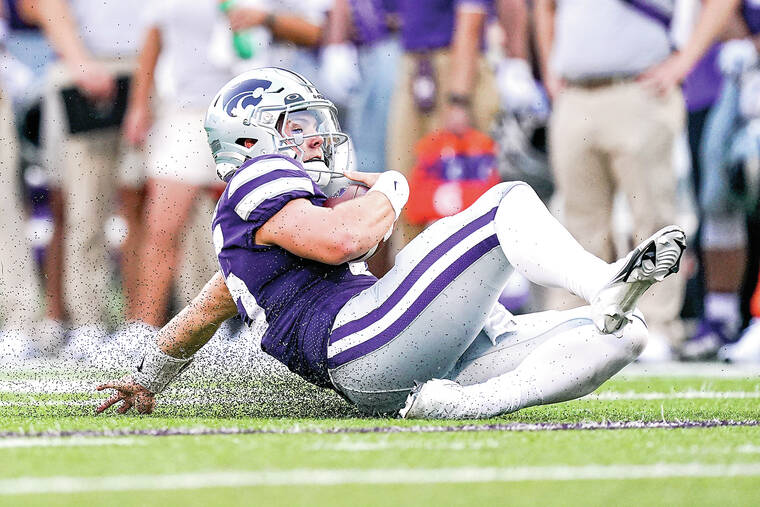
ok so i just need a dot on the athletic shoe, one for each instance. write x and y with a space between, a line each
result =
657 349
85 346
15 347
650 262
710 336
435 399
747 349
126 345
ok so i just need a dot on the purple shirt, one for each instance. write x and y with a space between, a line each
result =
429 24
751 14
702 86
296 299
369 17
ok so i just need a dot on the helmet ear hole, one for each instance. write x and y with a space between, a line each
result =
246 142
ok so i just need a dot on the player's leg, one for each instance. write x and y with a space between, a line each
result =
417 321
550 357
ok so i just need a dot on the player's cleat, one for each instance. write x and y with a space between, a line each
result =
435 399
650 262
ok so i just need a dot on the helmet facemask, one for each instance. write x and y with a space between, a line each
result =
312 136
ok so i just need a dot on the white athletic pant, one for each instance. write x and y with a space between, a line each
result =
421 320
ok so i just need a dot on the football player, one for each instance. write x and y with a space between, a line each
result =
427 340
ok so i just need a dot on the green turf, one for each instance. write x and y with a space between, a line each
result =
255 404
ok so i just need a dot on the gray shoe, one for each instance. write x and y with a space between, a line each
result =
654 259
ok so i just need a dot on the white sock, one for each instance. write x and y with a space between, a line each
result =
724 306
542 250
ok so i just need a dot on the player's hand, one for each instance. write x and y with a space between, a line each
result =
137 123
245 17
94 81
131 394
368 179
664 77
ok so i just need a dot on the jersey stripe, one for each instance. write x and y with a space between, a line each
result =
257 169
280 186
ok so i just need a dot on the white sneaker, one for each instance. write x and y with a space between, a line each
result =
435 399
650 262
15 347
52 336
85 345
126 345
658 349
747 349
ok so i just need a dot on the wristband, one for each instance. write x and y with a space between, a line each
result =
157 370
395 187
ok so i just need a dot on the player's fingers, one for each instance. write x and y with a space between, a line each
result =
107 385
106 404
125 406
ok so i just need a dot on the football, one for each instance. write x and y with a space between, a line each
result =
352 191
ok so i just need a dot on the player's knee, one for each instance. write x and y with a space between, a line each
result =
635 336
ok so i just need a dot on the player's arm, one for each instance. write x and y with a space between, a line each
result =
176 343
345 232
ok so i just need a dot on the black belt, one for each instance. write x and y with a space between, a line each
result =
601 81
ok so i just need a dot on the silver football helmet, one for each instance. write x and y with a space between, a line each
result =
272 110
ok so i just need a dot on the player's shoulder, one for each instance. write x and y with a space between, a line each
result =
265 184
265 169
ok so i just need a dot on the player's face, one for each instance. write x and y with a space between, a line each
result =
304 124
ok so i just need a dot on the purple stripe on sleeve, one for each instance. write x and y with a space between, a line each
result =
265 178
431 292
411 278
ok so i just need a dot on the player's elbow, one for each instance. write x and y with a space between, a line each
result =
342 248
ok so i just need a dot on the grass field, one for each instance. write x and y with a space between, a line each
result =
671 435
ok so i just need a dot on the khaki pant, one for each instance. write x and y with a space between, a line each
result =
88 167
20 302
407 124
618 138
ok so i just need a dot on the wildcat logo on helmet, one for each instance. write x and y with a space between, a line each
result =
245 94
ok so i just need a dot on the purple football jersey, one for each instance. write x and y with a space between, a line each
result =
296 299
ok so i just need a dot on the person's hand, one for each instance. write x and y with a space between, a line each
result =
368 179
664 77
456 119
339 71
94 81
246 17
131 394
737 56
518 90
137 123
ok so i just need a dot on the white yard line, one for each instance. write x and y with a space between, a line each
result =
325 477
23 442
679 369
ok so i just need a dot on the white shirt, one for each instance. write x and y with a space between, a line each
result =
186 76
602 38
110 28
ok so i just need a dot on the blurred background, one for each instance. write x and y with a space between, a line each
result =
624 115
